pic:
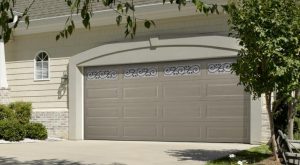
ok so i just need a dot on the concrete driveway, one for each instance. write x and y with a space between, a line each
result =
114 153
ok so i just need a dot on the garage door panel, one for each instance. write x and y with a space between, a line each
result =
224 90
140 111
103 93
100 121
213 98
237 133
226 109
102 131
181 131
181 105
140 92
140 130
96 102
103 112
94 84
182 111
182 91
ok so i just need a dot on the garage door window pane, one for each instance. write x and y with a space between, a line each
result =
140 72
182 70
219 68
99 73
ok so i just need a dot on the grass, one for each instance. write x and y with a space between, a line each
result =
252 156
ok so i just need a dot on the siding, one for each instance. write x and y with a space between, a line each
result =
45 95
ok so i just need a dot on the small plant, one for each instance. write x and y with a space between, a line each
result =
22 111
5 112
235 161
36 131
11 130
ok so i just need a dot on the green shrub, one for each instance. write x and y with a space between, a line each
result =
36 131
280 117
22 111
5 112
12 130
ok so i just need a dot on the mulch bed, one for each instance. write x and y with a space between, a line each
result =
269 161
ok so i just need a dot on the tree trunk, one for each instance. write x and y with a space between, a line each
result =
291 113
290 127
270 113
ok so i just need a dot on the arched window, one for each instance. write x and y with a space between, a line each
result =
41 66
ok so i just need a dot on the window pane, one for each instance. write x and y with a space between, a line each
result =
38 75
45 70
38 70
46 57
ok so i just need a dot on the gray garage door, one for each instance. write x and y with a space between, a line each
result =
175 101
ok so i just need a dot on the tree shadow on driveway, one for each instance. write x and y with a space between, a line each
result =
13 161
199 154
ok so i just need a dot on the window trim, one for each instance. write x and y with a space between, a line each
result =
34 66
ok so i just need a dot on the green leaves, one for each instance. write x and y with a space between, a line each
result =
67 31
84 8
119 19
149 23
207 8
269 33
7 16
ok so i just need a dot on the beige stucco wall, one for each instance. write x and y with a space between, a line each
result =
25 47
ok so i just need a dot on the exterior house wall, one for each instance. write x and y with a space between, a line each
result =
265 123
4 96
49 98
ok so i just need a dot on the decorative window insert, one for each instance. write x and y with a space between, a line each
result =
41 66
140 72
219 68
99 73
182 70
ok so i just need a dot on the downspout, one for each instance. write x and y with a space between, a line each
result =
4 90
3 78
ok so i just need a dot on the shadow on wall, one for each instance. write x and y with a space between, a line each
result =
199 154
13 161
62 89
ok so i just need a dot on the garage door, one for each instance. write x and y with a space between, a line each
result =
175 101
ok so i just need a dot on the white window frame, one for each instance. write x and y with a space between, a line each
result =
34 67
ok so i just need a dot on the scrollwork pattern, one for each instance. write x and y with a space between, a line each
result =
180 70
140 72
101 74
219 68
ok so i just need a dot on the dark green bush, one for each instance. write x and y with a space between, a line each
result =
15 123
36 131
280 117
11 130
22 111
5 112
